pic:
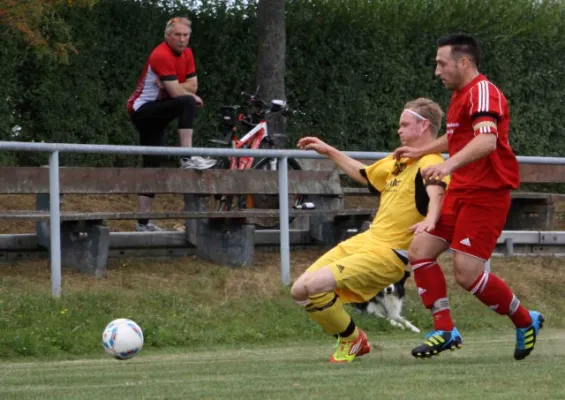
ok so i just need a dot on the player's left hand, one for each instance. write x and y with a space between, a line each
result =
436 172
424 226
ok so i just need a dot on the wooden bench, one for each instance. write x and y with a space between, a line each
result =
529 210
222 237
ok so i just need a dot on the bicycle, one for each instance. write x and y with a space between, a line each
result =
257 136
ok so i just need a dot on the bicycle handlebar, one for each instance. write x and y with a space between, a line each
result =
254 114
266 108
255 100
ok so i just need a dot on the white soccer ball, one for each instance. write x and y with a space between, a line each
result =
122 339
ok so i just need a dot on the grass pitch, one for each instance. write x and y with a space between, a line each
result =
483 369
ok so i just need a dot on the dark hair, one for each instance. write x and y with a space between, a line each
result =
462 44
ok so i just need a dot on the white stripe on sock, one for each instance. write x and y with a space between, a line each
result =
481 282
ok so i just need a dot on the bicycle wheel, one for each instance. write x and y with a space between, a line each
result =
265 201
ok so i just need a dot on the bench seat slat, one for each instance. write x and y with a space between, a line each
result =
360 191
529 173
79 180
357 191
256 213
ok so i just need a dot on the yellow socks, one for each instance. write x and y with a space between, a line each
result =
326 309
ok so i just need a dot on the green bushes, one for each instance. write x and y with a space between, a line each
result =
351 66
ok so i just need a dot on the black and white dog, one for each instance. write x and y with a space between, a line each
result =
387 304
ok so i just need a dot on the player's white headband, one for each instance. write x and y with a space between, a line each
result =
414 113
419 116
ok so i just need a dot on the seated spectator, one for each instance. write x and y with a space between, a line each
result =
166 91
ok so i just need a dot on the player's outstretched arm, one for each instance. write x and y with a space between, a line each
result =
350 166
437 146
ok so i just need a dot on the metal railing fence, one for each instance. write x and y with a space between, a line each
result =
282 155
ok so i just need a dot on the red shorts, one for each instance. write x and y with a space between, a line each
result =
471 221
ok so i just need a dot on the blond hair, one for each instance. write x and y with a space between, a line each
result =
429 110
177 20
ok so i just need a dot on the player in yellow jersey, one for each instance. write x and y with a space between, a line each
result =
357 269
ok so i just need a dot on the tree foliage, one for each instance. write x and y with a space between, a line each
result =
40 25
350 66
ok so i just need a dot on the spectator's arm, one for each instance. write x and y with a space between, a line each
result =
174 88
190 85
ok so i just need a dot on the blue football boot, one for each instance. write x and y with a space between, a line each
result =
438 341
526 337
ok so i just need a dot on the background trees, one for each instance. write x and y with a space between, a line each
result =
349 65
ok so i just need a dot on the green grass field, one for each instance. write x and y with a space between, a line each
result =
483 369
221 333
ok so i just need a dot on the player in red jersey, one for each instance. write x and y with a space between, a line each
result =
483 169
166 91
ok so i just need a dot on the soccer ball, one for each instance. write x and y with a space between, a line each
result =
122 339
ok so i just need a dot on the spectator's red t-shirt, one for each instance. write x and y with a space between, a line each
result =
163 64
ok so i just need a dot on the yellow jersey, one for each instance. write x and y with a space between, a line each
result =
404 200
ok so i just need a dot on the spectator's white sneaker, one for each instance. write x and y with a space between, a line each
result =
149 227
197 162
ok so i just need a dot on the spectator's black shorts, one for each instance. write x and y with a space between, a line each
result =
151 121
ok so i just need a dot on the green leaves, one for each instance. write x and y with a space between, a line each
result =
350 67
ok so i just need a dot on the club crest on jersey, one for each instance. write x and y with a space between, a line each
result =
398 168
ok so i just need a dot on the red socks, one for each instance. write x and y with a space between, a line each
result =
432 289
493 291
488 288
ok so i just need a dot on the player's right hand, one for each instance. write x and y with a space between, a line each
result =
313 143
424 226
406 152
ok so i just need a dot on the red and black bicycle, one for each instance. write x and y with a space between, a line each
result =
249 130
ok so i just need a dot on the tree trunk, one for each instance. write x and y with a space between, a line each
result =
271 59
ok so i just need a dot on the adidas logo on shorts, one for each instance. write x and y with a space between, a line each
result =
466 242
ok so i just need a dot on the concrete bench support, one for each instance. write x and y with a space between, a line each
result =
84 244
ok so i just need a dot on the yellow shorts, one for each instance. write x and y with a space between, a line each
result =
361 268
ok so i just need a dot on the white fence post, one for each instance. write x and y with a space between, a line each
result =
55 224
284 222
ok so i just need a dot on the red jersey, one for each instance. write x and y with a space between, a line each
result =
480 101
163 64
